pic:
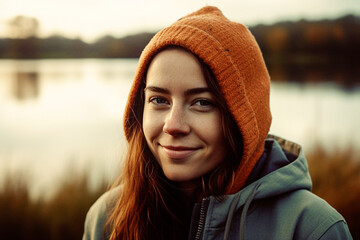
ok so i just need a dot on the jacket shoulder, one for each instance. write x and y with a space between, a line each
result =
299 214
98 214
316 217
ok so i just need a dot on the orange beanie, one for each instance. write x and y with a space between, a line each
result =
235 59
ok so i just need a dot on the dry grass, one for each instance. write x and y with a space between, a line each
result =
59 217
336 178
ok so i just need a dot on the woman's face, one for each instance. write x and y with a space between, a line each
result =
181 122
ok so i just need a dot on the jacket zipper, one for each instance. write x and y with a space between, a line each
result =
203 210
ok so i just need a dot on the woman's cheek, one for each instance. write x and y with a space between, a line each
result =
151 123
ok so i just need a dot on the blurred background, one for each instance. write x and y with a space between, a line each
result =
66 68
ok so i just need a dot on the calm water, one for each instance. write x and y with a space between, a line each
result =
57 116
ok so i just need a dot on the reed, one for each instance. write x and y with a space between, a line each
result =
335 174
60 216
336 178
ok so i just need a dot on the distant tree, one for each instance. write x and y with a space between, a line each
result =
135 44
23 27
108 47
58 46
126 47
23 42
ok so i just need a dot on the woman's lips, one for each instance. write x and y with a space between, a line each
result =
178 152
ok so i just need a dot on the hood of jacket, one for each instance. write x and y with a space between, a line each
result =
281 169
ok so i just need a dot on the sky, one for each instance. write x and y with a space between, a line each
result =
91 19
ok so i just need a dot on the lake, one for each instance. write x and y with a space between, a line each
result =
60 116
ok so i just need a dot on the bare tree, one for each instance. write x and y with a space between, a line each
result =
23 27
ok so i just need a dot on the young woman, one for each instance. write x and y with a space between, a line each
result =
200 163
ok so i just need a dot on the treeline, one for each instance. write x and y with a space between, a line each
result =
315 39
313 50
61 47
302 50
340 37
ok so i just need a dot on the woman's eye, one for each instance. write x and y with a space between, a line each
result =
158 100
203 102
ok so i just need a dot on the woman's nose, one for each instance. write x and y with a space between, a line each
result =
176 123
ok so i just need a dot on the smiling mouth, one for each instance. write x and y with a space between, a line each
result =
178 152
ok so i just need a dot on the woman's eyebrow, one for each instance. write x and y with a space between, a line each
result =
188 92
194 91
157 89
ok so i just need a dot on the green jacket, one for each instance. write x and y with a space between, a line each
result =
277 203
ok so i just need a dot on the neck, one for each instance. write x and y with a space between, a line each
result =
189 192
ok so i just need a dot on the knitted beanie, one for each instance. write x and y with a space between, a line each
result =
234 57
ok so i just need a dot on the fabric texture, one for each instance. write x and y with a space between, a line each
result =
276 204
235 59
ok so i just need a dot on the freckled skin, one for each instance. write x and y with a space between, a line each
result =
182 127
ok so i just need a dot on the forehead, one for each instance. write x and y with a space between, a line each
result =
175 67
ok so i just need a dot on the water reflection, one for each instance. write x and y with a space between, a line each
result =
79 105
26 85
